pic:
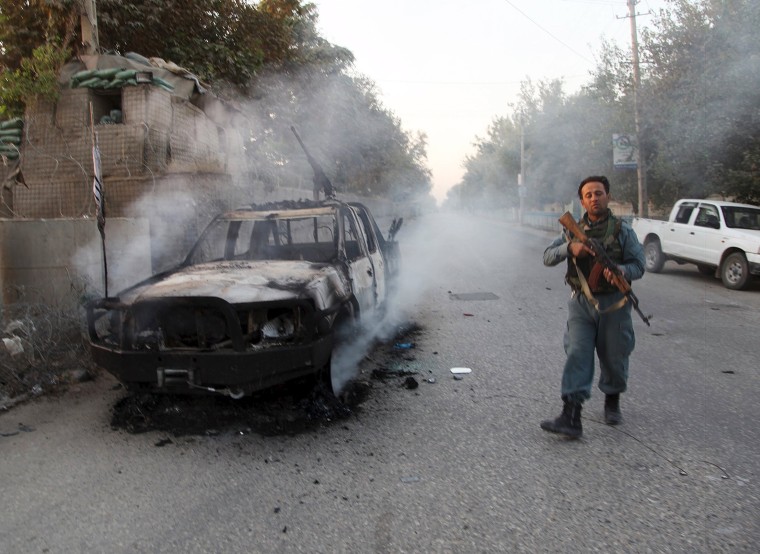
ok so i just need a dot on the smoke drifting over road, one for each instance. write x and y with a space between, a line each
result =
433 247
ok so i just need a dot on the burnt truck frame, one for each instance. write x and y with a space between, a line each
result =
260 300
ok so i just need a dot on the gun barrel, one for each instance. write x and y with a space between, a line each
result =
321 181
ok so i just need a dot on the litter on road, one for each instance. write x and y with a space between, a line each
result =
460 370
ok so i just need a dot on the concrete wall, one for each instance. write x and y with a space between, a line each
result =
58 262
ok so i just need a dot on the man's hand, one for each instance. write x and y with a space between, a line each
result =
579 250
611 277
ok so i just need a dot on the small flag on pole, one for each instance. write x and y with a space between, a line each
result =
97 188
100 200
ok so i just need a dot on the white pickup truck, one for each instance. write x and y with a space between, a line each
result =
721 238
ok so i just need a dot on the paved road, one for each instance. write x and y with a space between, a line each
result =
452 466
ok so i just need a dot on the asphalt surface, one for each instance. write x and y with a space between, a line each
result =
449 466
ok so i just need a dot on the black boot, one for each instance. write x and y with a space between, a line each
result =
612 414
568 423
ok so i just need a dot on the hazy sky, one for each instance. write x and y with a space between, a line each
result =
448 68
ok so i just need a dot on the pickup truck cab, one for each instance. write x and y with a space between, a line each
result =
721 238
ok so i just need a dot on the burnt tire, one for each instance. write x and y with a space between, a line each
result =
734 271
345 333
325 378
654 259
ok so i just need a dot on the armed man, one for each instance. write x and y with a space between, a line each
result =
599 310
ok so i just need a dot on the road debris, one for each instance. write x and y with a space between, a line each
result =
460 370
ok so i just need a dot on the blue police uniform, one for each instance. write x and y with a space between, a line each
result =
604 329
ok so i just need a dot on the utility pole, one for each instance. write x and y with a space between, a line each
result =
521 176
640 169
88 18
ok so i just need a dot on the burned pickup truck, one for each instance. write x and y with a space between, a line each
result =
259 301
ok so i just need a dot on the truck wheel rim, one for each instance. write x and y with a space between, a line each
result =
734 273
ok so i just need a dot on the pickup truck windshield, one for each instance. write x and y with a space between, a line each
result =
305 238
742 217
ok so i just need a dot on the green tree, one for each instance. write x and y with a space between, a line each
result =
701 98
28 24
700 127
490 178
219 40
565 139
37 78
360 144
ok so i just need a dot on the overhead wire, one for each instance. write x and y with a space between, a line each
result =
545 30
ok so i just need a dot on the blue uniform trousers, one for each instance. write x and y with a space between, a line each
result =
610 335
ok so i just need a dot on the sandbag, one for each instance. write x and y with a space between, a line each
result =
87 83
135 57
107 73
15 123
126 74
158 81
83 75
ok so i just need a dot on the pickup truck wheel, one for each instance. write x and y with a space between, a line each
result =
734 272
653 257
325 378
346 331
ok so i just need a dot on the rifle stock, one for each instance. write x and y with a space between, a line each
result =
568 222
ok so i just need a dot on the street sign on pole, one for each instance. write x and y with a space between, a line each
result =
624 151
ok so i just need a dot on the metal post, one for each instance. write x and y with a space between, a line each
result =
89 21
640 169
521 177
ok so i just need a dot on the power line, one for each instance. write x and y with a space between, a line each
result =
466 83
526 16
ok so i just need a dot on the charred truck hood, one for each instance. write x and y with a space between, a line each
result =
239 282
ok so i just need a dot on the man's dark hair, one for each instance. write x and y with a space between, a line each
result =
595 179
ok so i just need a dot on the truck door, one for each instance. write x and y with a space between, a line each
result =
360 268
706 235
678 238
375 253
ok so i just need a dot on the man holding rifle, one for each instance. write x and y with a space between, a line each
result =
599 311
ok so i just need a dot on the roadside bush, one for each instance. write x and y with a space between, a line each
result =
42 348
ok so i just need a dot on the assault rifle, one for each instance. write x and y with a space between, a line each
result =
618 279
321 181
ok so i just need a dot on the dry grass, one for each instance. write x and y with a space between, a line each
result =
42 348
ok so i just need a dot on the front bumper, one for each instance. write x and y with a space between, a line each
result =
197 372
197 345
754 263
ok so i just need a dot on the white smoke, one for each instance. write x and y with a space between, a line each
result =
430 246
155 234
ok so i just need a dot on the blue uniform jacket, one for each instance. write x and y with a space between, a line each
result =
633 252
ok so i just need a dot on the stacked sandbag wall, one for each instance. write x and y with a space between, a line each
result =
143 132
11 132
